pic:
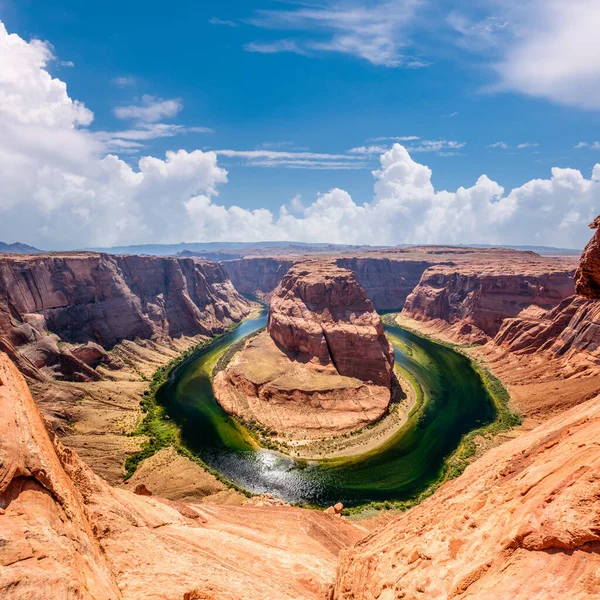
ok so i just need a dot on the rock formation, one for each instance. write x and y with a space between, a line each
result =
320 313
64 533
471 301
60 312
323 367
587 278
521 522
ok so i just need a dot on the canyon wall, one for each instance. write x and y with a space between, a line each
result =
59 313
387 281
257 276
471 301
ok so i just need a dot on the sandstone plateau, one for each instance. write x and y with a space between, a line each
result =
323 367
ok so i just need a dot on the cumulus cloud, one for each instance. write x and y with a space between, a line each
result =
500 145
61 189
150 110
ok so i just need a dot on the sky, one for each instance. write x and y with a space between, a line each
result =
376 122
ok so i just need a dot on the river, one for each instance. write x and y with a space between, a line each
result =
452 402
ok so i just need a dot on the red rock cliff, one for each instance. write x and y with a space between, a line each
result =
587 278
320 312
90 302
474 300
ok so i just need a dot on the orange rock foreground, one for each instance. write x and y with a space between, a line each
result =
523 522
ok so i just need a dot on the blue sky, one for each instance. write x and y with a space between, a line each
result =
311 79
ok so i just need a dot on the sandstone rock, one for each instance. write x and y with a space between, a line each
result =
64 533
471 302
320 313
142 490
587 278
520 523
302 400
90 302
323 368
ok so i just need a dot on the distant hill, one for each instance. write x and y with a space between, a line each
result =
229 250
233 249
17 248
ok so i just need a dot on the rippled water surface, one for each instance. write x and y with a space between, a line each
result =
454 401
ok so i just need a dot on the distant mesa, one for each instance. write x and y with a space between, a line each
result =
324 365
18 248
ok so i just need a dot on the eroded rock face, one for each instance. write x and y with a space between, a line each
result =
471 302
587 278
59 312
320 313
257 276
64 533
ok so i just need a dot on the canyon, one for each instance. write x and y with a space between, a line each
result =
521 522
323 366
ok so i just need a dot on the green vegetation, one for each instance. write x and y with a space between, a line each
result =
156 426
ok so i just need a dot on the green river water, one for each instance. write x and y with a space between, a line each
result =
452 401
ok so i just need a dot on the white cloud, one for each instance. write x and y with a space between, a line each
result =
123 81
293 159
226 22
368 150
374 31
66 63
440 147
589 146
59 189
553 51
150 110
500 145
275 47
131 138
527 145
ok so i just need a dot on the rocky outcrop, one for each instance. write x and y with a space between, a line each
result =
471 302
587 278
570 332
522 522
64 533
323 368
59 313
320 313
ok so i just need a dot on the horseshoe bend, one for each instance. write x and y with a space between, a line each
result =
321 402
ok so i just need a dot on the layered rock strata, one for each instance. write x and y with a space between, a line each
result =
64 533
471 302
324 366
587 278
60 313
